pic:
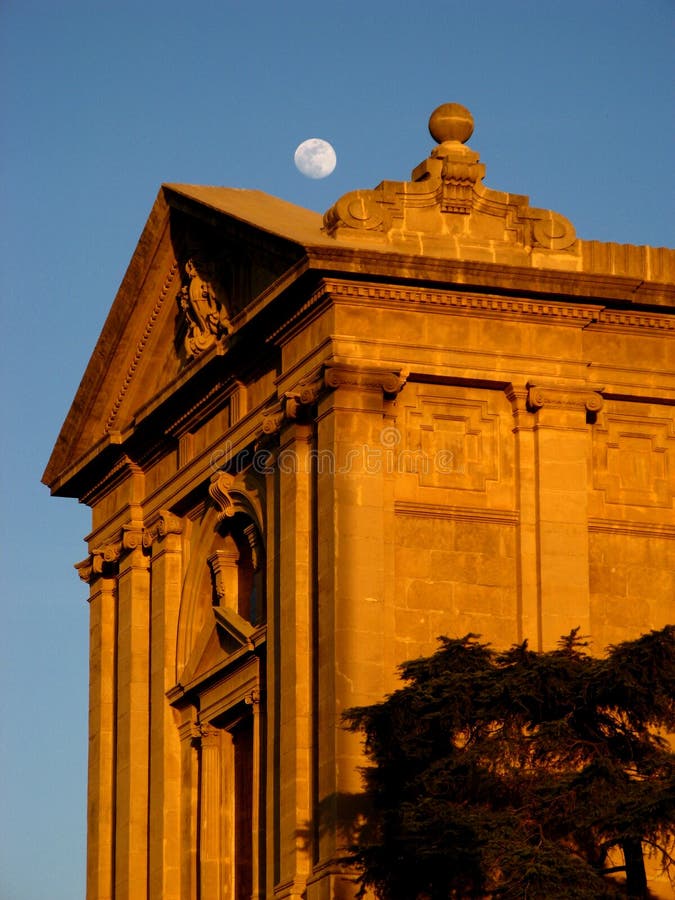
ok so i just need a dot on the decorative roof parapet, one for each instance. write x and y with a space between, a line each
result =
445 204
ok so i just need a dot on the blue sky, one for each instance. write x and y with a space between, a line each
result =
103 101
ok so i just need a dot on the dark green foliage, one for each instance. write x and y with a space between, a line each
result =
515 774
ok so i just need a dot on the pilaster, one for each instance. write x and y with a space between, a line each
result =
163 537
293 663
527 562
350 642
211 807
133 696
563 416
189 735
101 761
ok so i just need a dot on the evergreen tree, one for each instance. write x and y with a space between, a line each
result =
520 774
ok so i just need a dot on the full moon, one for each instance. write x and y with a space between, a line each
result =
315 158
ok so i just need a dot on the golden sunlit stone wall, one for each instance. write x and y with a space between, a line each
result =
311 445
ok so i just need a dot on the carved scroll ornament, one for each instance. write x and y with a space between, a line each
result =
445 202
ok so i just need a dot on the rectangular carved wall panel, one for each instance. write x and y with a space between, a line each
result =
634 457
454 446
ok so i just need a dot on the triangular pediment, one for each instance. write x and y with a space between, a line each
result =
201 262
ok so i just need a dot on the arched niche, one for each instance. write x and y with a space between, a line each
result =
223 605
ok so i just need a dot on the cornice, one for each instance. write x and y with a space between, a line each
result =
634 320
456 513
639 529
119 471
140 347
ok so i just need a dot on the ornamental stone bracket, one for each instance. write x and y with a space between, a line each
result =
219 491
242 492
446 201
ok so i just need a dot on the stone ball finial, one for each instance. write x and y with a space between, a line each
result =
451 122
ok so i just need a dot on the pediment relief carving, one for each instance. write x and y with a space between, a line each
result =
222 268
445 200
205 304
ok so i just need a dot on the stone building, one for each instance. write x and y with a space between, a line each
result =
313 444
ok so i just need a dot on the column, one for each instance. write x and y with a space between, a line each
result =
133 705
101 763
164 537
562 445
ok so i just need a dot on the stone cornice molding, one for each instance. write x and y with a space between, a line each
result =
623 526
620 320
122 469
456 513
154 315
560 396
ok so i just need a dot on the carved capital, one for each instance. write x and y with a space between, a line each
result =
164 523
252 698
337 375
273 418
85 569
564 397
291 406
132 536
204 734
104 559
